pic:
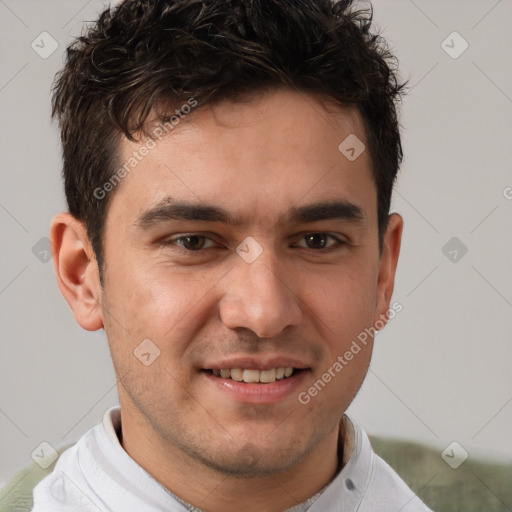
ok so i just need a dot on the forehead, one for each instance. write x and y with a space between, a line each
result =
257 158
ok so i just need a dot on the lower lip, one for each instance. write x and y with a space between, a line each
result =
258 393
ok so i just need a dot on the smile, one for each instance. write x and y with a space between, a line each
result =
254 376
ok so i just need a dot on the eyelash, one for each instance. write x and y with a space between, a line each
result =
336 246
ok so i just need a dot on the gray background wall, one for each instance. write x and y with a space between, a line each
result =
441 369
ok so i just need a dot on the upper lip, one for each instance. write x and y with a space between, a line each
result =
257 363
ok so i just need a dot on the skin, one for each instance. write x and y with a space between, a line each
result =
257 159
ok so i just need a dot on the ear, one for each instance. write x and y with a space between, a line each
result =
387 267
76 270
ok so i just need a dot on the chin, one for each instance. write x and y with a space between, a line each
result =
252 461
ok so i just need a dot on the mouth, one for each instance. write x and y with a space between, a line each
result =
253 376
266 379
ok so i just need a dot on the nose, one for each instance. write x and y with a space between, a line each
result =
258 296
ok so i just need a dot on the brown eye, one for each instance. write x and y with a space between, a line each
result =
321 242
192 243
316 240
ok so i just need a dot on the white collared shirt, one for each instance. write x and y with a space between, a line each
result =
97 475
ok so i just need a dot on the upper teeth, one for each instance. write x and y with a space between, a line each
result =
265 376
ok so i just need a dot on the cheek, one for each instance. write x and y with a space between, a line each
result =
161 303
344 303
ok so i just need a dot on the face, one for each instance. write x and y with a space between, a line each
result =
245 247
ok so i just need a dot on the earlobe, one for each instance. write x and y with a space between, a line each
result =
76 270
387 267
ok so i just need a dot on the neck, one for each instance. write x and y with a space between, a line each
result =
211 490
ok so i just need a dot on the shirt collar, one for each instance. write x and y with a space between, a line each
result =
347 442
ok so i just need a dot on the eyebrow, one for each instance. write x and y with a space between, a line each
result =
169 209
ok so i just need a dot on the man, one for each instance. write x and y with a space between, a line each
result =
228 168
